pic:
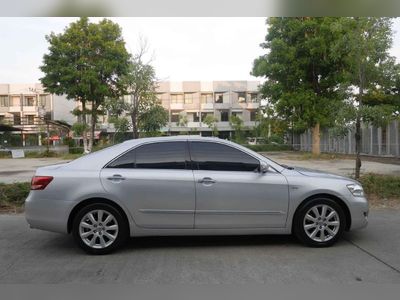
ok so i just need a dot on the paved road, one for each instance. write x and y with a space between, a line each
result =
371 255
16 170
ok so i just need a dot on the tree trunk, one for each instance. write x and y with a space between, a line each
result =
358 122
358 147
84 134
316 150
92 129
135 131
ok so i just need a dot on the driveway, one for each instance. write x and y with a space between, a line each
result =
369 255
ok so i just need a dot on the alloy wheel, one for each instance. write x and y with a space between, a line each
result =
321 223
98 229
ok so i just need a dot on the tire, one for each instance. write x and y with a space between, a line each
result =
319 222
100 236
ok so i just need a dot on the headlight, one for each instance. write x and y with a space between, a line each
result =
356 190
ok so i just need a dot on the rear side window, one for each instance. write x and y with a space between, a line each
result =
219 157
164 155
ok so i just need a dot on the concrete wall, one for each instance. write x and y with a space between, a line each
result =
374 141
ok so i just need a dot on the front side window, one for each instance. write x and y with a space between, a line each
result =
219 157
164 155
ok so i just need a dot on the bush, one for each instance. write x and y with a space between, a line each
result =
384 186
269 147
35 154
13 195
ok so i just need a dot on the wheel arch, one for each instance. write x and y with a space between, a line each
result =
339 201
95 200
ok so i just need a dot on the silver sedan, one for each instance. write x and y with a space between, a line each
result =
189 185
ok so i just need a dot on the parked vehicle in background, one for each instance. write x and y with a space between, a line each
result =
189 185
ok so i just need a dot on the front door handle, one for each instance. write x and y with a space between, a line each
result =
116 178
207 180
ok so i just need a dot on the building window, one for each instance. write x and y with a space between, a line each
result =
219 97
29 101
205 114
17 119
238 114
193 117
43 100
241 97
4 101
30 119
224 116
175 117
16 101
253 97
188 98
206 98
253 115
176 98
2 118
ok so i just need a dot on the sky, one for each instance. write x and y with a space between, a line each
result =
181 48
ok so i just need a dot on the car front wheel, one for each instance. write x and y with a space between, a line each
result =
99 229
319 223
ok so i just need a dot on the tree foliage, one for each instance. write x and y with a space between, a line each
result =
153 119
301 70
142 84
86 63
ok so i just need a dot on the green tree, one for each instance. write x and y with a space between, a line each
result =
86 63
237 125
372 76
142 85
302 74
211 123
153 119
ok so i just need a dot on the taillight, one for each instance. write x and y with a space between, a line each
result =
40 182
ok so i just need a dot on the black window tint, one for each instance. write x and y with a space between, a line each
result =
166 155
126 161
218 157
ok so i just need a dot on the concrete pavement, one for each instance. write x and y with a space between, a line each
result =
370 255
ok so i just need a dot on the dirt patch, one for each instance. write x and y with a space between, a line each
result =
379 202
11 209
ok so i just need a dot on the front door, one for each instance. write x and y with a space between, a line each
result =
155 182
231 193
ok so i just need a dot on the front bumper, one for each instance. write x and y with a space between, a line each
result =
359 210
46 214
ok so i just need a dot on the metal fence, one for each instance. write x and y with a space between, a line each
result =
376 141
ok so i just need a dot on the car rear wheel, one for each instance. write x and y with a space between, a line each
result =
319 222
99 229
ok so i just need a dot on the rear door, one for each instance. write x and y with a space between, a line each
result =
155 182
231 193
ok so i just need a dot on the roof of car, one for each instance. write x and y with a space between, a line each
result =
171 138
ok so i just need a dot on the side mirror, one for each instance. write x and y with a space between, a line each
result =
264 167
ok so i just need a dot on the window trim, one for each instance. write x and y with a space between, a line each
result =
195 166
188 163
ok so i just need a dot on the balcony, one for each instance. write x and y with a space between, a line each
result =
207 106
30 108
177 106
14 109
253 105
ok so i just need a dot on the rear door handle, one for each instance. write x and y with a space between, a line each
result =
207 180
116 178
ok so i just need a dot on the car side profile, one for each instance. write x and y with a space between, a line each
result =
189 185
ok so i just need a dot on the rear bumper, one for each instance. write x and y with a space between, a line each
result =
46 214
